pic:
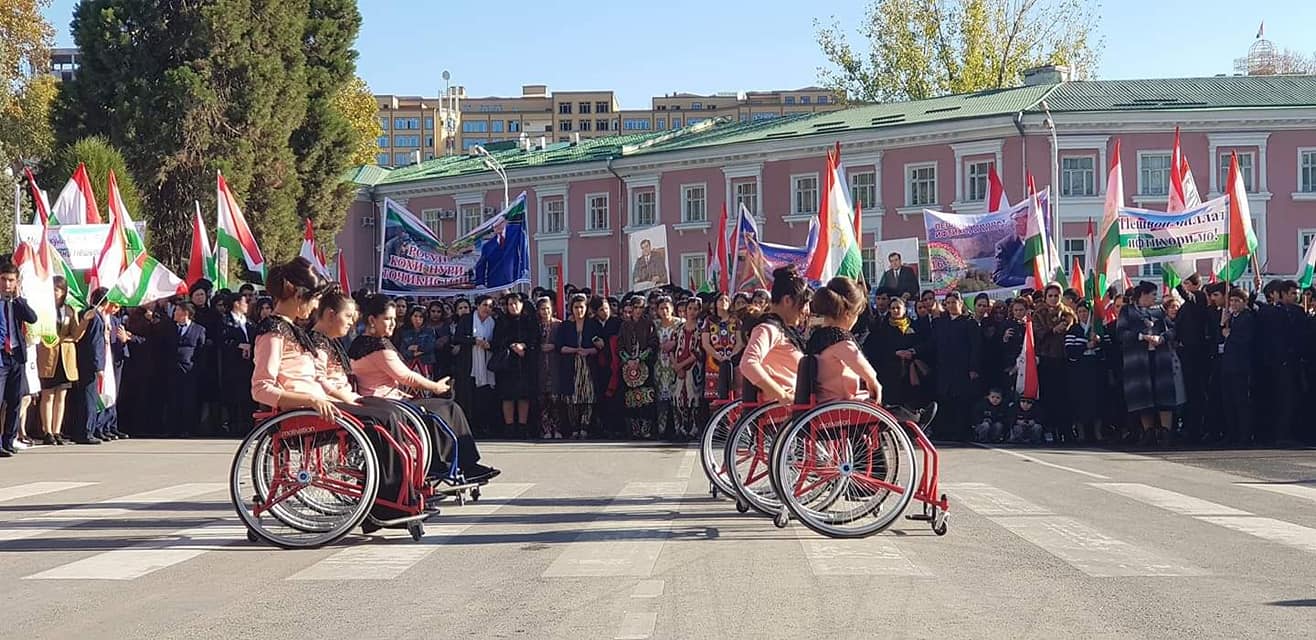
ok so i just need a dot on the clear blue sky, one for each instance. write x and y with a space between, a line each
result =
641 49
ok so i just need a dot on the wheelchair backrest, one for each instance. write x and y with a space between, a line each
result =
748 392
806 380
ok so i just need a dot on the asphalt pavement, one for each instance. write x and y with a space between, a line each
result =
136 539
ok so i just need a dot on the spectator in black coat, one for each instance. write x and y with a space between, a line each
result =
236 345
1238 337
957 348
94 362
186 342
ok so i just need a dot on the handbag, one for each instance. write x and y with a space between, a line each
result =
500 361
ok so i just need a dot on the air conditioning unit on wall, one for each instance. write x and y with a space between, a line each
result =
447 214
368 221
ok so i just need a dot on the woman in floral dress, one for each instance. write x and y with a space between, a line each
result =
669 330
575 381
688 396
549 403
637 352
722 342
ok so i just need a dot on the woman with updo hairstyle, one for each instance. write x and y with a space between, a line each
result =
382 376
772 354
841 365
284 356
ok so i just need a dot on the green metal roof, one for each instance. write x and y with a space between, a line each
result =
1221 92
1097 95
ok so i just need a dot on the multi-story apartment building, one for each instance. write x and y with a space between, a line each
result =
568 115
901 158
65 62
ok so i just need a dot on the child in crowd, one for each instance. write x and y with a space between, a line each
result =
990 417
1027 423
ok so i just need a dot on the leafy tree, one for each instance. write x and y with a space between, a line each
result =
25 92
186 89
924 48
100 157
327 139
357 103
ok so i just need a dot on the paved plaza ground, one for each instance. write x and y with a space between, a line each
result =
136 539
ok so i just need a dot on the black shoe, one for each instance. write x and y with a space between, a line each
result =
5 454
49 440
9 449
91 440
482 473
119 435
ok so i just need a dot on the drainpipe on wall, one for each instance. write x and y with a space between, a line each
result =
1023 162
621 219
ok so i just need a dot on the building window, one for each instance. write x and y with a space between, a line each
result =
431 219
382 159
690 122
694 207
401 159
513 126
747 195
1150 271
696 105
564 108
399 123
496 126
676 123
694 268
920 185
596 213
644 211
976 182
660 123
475 126
601 125
1153 174
1307 170
790 100
429 142
598 270
871 271
804 195
584 108
406 141
470 217
1078 176
413 123
383 122
822 100
554 216
565 125
584 125
635 124
1245 167
1075 248
1305 238
601 107
804 99
863 189
763 115
382 141
488 108
429 124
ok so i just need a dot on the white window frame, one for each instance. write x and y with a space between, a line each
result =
590 210
750 199
976 174
868 258
469 216
798 201
1308 189
553 218
686 268
691 208
909 183
591 267
433 219
638 208
1249 173
1067 177
1142 186
869 191
1075 247
1149 271
1305 237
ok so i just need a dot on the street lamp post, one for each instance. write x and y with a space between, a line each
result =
495 166
1056 228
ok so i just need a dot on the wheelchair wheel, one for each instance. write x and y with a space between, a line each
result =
748 455
713 445
416 420
299 481
845 469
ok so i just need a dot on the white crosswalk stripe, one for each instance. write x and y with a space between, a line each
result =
148 557
1303 491
43 525
1076 543
388 561
37 488
1270 529
876 556
626 538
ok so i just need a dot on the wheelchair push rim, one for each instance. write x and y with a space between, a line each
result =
712 445
747 456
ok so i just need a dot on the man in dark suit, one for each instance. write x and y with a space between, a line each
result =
13 353
93 363
1012 270
503 257
236 345
186 341
899 279
1194 355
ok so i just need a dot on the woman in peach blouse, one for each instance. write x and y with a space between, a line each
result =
381 374
284 356
772 353
841 366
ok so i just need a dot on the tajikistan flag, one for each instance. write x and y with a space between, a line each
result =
1242 239
837 251
1025 374
144 282
76 203
233 238
1035 243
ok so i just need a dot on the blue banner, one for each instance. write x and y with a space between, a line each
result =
493 257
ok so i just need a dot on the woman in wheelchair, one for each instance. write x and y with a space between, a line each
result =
381 374
772 354
840 365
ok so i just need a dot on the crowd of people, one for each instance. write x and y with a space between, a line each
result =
1198 366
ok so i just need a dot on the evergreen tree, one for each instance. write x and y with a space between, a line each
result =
100 157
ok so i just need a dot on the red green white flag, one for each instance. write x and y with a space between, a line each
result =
76 203
837 251
1025 377
1242 239
1108 265
234 238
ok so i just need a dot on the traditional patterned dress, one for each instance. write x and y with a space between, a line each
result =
637 351
550 405
722 333
665 371
688 395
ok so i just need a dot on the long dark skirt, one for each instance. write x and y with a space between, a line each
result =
377 411
468 454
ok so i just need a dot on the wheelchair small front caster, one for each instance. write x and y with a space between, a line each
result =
781 520
475 494
417 530
461 499
742 506
368 526
251 536
712 490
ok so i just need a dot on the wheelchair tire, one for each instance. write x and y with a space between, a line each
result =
845 469
713 444
747 456
298 481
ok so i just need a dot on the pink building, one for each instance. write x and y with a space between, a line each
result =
584 197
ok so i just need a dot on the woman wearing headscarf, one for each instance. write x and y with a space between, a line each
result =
637 351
